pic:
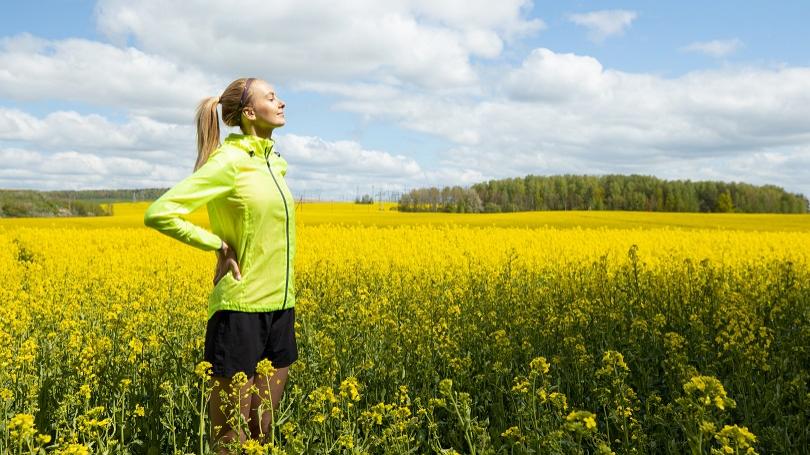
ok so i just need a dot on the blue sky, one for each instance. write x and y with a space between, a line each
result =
411 93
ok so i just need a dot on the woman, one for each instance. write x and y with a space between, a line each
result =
251 308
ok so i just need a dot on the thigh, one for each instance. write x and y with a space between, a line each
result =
224 404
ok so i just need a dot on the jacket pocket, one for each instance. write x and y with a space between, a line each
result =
227 289
226 276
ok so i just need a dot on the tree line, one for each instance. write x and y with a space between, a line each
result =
30 203
606 192
33 203
121 195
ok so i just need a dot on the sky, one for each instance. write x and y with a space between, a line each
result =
402 94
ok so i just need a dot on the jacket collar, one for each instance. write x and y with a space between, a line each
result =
249 143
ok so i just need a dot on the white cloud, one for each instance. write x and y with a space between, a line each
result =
545 75
605 23
715 48
69 170
102 75
559 113
347 157
420 42
66 130
337 168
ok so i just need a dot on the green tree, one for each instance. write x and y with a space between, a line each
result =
724 203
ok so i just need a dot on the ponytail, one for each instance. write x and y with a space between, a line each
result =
232 100
207 129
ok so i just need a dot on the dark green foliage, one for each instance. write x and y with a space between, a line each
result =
607 192
448 199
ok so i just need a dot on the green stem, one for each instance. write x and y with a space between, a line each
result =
533 406
123 417
467 435
202 415
626 434
272 416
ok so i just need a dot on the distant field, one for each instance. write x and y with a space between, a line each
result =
347 213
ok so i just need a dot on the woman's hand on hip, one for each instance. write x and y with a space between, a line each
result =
226 262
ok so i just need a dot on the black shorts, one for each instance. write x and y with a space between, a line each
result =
237 340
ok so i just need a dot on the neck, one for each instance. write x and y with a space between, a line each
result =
254 130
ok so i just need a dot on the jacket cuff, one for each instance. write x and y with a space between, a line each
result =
210 241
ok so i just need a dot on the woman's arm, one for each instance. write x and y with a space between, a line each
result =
213 179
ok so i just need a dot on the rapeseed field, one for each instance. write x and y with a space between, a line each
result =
537 332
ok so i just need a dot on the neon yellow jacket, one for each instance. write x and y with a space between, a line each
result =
252 209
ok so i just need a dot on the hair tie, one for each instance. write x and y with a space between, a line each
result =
245 90
219 99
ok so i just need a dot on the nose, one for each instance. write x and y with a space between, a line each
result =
281 103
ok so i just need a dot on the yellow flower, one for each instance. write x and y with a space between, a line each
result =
203 370
580 422
513 433
445 386
736 439
349 388
74 449
253 447
21 426
238 380
84 390
707 427
374 415
559 400
707 390
615 360
539 365
346 440
521 385
590 422
288 429
265 368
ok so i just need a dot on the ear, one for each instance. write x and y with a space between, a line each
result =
249 113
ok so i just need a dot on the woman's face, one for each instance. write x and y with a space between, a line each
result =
265 109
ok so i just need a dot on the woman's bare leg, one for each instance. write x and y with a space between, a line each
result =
276 384
221 432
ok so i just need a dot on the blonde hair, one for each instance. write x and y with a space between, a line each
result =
208 119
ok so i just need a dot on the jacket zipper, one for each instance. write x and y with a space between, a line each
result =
287 219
